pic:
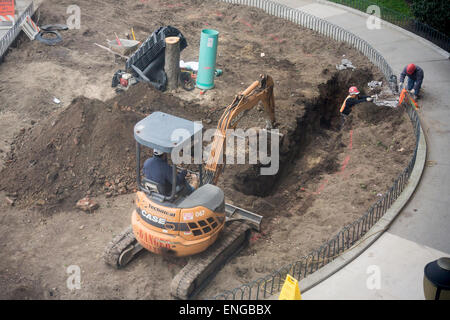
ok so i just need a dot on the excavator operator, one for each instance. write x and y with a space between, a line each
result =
157 169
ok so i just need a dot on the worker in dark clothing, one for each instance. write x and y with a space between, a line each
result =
158 170
352 99
415 78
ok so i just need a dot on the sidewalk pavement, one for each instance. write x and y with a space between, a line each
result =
392 267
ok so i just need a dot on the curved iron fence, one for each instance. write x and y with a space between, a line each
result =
408 23
271 284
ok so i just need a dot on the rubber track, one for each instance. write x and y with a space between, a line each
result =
117 246
202 267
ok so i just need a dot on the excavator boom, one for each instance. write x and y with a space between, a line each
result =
258 91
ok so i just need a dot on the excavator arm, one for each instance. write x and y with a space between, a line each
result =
261 90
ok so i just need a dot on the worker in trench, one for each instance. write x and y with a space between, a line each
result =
352 99
415 78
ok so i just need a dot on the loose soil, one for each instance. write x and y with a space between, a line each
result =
55 154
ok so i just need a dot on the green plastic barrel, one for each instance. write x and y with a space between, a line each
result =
207 59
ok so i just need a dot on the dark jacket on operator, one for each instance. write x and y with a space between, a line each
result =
349 102
158 170
417 77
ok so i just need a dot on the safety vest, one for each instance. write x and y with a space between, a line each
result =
345 102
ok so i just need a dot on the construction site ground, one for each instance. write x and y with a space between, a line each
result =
55 154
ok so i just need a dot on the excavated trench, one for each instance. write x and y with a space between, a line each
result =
64 149
321 115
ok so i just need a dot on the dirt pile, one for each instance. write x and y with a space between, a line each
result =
71 154
367 113
86 149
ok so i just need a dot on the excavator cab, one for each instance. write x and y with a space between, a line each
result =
159 131
179 224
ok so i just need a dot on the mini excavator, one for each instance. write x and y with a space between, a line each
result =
200 225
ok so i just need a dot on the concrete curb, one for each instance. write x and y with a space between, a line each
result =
378 229
415 37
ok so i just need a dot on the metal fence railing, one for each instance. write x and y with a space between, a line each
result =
12 33
271 284
408 23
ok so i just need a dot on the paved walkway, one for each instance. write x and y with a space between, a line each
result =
392 267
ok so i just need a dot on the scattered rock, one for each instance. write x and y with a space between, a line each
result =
86 204
10 201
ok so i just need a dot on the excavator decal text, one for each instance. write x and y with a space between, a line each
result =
170 214
153 218
152 241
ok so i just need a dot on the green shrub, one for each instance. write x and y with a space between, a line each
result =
435 13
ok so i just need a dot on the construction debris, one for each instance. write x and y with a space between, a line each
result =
111 51
30 28
35 33
54 27
345 64
374 84
123 47
146 64
386 103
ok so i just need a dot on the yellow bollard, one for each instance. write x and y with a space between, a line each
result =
290 290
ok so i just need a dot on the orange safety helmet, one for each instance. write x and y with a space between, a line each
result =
410 68
353 90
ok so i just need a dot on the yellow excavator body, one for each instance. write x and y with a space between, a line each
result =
175 231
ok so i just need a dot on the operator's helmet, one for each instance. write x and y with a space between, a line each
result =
410 68
353 90
157 152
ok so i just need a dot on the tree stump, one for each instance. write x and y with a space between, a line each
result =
172 62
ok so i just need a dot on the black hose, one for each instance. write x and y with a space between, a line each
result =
51 41
54 27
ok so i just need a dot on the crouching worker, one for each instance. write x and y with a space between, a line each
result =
415 78
352 99
158 170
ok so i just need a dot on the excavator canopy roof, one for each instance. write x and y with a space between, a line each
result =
165 132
